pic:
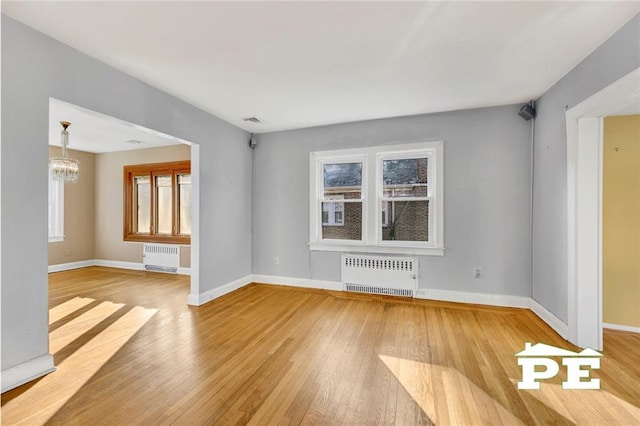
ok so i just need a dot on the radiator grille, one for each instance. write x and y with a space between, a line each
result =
387 264
395 276
377 290
161 257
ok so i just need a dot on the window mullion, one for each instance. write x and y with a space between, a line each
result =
341 200
152 200
400 199
174 203
132 200
369 210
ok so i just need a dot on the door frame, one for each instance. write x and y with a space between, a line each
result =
584 126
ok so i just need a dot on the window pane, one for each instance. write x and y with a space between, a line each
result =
56 207
342 221
407 221
332 213
142 201
405 178
184 185
338 217
385 213
328 213
342 181
163 204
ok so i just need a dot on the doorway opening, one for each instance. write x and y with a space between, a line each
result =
621 222
106 144
584 125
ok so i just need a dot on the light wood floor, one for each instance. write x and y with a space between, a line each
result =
130 351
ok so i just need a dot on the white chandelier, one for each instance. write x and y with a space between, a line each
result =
64 168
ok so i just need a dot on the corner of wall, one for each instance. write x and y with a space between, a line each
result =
27 371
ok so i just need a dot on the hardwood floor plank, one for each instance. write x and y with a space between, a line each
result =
281 355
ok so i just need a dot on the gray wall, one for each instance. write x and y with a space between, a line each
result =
35 67
487 197
618 56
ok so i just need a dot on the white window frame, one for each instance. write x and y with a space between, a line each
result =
405 155
317 189
372 225
56 209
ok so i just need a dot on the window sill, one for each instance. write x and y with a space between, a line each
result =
56 239
421 251
141 238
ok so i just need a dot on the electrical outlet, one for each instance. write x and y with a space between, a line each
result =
477 271
276 260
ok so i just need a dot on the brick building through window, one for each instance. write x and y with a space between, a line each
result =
378 199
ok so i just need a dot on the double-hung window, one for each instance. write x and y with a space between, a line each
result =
406 196
390 199
157 202
340 198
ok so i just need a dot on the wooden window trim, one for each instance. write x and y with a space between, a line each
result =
152 170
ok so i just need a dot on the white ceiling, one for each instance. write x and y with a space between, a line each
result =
94 132
300 64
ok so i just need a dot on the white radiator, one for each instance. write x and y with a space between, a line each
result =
395 276
161 257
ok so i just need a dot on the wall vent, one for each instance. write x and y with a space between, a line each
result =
393 276
161 258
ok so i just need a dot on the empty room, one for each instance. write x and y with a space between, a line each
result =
352 213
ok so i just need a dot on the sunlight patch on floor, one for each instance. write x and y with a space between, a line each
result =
587 406
61 337
40 402
70 306
445 395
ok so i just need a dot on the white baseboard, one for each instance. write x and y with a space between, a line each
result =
71 265
326 285
552 321
201 299
432 294
119 264
108 263
497 300
27 371
621 327
507 301
298 282
476 298
193 300
207 296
